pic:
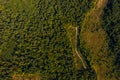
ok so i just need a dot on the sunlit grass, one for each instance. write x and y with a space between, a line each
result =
95 38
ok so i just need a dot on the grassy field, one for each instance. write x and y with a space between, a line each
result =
95 39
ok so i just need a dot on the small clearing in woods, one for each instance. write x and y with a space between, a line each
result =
94 37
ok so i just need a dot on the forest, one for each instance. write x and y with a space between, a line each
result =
36 42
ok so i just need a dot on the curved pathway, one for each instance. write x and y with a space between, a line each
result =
76 51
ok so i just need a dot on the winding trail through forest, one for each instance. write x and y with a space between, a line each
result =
72 33
76 50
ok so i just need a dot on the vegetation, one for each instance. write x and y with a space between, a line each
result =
93 39
33 39
97 41
38 40
111 23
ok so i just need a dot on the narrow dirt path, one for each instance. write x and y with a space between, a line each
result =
72 33
101 3
76 51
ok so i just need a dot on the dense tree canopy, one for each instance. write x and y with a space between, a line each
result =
33 38
111 20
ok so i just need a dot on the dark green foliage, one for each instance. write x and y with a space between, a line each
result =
112 26
33 38
87 74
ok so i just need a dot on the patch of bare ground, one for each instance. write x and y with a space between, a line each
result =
26 77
